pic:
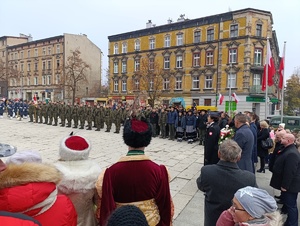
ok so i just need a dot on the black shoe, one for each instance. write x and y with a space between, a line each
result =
107 131
62 126
97 130
261 171
277 196
89 128
81 128
115 132
279 202
75 127
68 126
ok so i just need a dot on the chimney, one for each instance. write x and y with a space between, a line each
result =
170 21
149 24
181 18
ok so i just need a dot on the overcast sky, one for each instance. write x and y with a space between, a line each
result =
101 18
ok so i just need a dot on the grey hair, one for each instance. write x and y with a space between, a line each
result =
230 151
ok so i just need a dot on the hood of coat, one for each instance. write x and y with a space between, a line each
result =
24 173
78 176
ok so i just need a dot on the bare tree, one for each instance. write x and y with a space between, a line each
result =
150 79
3 71
75 72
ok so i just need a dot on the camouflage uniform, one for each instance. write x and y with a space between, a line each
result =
62 114
31 111
50 115
89 117
98 117
108 118
162 121
94 109
75 115
117 116
37 112
55 112
81 115
69 114
102 110
44 112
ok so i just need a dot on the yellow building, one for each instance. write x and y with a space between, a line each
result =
201 58
38 67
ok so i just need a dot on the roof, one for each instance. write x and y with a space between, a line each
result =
35 42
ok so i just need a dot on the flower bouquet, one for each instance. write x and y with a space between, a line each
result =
225 134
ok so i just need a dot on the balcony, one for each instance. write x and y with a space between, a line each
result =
256 90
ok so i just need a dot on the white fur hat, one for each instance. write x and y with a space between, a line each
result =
74 148
24 156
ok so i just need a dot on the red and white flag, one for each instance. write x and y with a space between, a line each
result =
34 99
221 99
270 66
235 97
281 70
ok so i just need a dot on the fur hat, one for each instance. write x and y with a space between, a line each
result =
74 148
137 133
127 215
24 156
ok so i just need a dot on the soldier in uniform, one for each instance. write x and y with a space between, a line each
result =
55 113
39 112
98 116
162 121
89 116
25 109
108 118
69 114
102 110
117 118
31 110
81 115
94 109
2 106
50 106
62 114
45 112
75 115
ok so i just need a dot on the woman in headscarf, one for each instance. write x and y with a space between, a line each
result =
251 206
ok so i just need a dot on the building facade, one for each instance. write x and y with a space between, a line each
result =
37 67
201 58
6 41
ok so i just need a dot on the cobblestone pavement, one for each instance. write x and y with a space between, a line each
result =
183 160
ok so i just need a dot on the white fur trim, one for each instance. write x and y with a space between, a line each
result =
78 176
68 154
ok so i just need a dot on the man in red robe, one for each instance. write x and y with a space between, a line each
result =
136 180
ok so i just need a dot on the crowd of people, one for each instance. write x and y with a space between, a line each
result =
75 191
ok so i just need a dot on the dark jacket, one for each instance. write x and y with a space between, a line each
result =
153 117
277 149
211 145
190 120
223 122
180 121
244 137
286 170
263 134
253 129
172 115
201 121
220 182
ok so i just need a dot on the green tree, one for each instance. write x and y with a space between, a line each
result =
292 93
75 73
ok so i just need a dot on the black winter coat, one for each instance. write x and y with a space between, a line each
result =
211 145
263 134
286 170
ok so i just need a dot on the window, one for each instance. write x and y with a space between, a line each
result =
166 84
3 53
116 48
22 67
195 84
49 50
57 79
36 53
124 85
234 30
44 65
167 41
209 58
178 83
57 63
210 35
179 39
49 64
35 66
197 36
35 81
16 56
151 64
124 47
116 85
58 48
166 62
28 81
116 65
151 84
196 59
44 80
44 51
22 55
137 84
152 43
258 30
137 65
49 80
11 56
257 57
232 58
179 61
208 82
256 79
124 66
231 82
137 45
28 53
28 67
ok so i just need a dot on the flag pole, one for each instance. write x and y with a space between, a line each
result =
282 88
229 110
266 81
